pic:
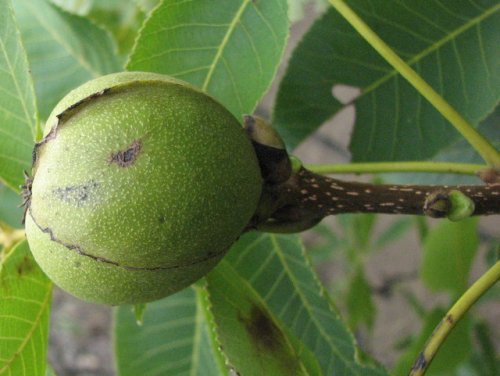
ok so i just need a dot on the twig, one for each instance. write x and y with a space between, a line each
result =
456 312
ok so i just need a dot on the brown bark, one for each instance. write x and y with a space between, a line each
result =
305 198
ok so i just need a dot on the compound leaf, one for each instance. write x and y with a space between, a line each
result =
453 45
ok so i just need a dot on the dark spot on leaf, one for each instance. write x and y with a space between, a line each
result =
25 266
127 157
263 330
76 194
268 339
162 219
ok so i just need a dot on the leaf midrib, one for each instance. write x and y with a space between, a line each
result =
347 362
232 26
79 58
432 48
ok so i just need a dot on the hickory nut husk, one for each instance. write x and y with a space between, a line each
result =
140 185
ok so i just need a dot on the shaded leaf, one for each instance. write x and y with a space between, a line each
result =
25 295
10 212
252 338
231 52
65 50
18 116
360 307
455 349
449 249
122 18
485 358
394 231
174 338
452 45
276 268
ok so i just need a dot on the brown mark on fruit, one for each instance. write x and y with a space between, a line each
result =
76 194
127 157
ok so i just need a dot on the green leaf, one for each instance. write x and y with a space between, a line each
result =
449 250
174 339
231 53
122 18
360 307
10 212
253 340
18 116
452 45
455 349
485 358
65 50
393 231
276 268
25 295
459 151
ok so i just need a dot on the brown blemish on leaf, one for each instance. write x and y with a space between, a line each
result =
263 331
127 157
25 266
268 339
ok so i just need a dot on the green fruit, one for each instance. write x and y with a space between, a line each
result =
140 186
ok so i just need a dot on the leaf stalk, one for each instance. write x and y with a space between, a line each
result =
451 318
388 167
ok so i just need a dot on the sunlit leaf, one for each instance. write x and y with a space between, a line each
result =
25 295
453 45
64 50
18 116
230 51
174 338
276 269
